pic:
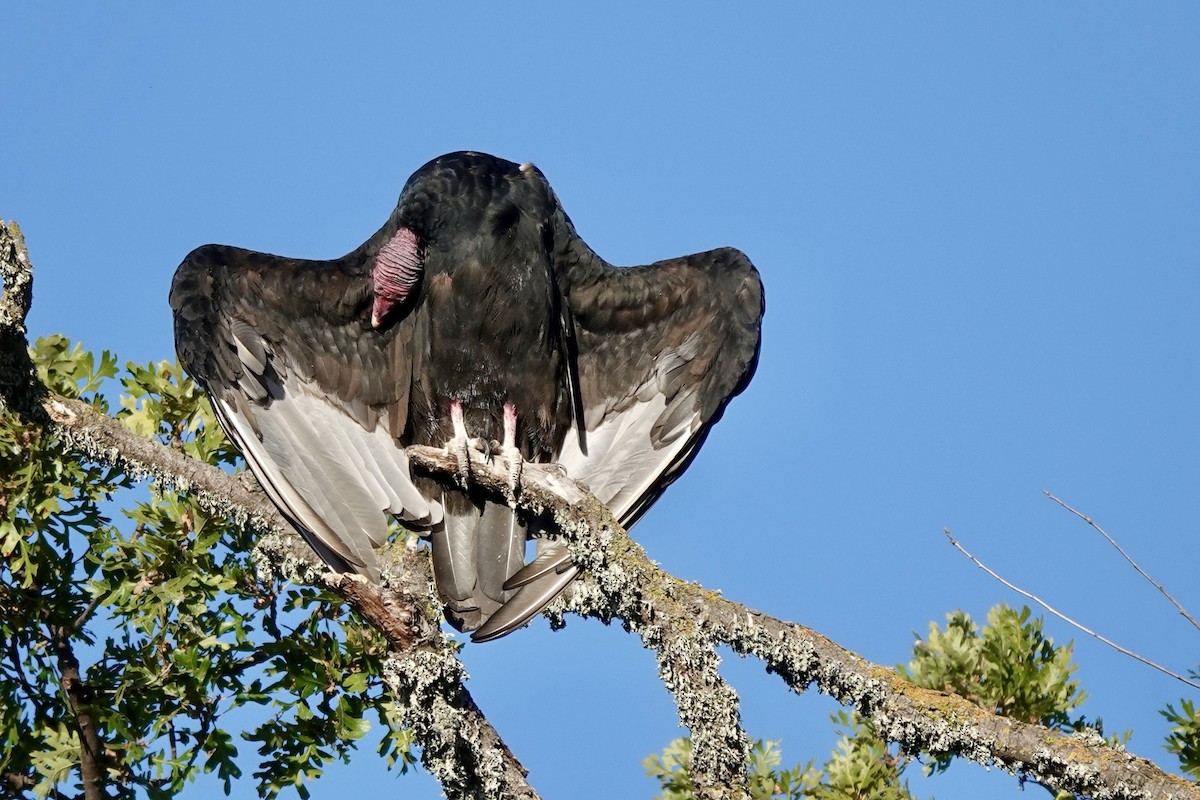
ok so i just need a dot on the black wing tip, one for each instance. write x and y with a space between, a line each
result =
737 261
190 281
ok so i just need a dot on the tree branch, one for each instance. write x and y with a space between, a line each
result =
458 745
18 386
621 582
682 621
79 698
629 587
18 782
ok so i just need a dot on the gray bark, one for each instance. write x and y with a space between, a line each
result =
681 621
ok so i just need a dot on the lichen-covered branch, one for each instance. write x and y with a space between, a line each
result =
708 706
626 587
17 383
459 746
681 621
622 583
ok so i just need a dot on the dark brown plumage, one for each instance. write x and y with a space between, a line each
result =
476 294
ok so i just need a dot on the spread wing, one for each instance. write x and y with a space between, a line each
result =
313 396
662 350
659 352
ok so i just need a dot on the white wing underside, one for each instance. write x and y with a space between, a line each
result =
632 446
338 482
335 480
623 464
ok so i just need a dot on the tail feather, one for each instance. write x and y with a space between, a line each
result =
531 598
499 549
552 558
475 549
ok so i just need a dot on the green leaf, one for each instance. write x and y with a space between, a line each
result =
174 628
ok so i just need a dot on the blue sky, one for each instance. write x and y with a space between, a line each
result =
977 227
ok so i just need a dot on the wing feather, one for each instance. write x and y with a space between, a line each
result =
313 396
662 350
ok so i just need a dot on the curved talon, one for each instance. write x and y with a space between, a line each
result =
462 455
516 464
460 444
513 460
512 455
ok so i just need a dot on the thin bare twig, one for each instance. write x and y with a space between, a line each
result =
1064 617
1125 555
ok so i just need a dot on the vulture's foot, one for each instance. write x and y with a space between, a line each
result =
511 454
461 444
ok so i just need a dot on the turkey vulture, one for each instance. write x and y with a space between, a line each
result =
476 310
